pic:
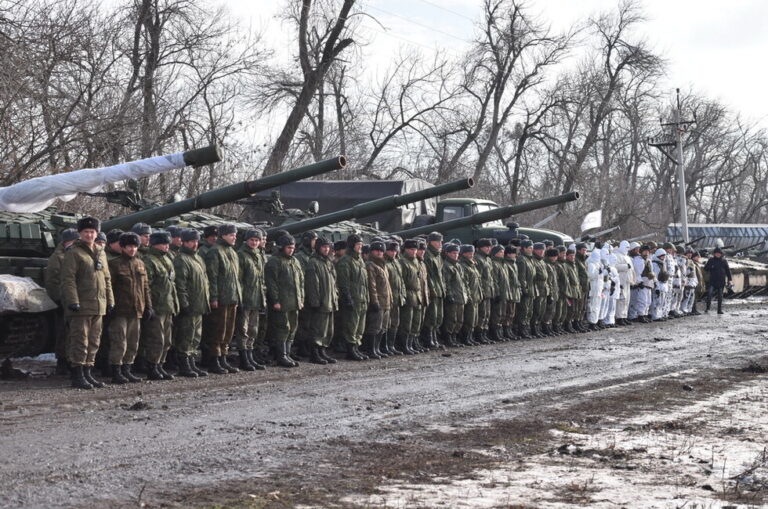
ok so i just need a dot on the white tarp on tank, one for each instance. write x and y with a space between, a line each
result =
38 193
22 295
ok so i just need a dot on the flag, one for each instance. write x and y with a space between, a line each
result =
592 220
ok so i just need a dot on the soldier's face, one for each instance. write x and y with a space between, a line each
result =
253 242
88 235
115 246
229 238
176 241
453 255
486 249
162 247
512 256
392 254
324 250
144 239
358 247
561 255
420 253
190 244
312 243
411 251
571 257
436 244
130 250
289 249
500 254
469 254
582 251
528 250
538 252
377 254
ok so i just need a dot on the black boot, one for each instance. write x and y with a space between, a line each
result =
353 354
127 370
215 367
378 341
366 347
360 353
224 363
323 351
374 350
78 378
384 346
245 365
252 361
182 361
315 357
281 359
117 375
89 377
288 350
391 339
164 373
193 365
153 373
140 364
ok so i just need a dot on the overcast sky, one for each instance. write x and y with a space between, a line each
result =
717 48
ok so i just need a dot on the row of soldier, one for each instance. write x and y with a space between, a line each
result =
168 290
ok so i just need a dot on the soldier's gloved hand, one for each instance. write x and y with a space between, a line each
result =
149 314
374 306
74 307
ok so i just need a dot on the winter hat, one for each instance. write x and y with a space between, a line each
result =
175 231
129 239
339 245
718 250
114 235
285 241
548 243
526 243
322 241
645 247
560 249
510 250
190 235
659 253
251 234
69 234
211 231
551 252
539 245
668 245
484 243
411 244
141 229
88 223
159 238
450 248
101 237
366 249
378 246
634 245
422 244
227 229
353 239
581 246
496 250
467 248
393 246
435 236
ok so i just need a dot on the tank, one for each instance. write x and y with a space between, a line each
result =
28 239
343 226
466 228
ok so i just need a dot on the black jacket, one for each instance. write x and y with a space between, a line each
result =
719 271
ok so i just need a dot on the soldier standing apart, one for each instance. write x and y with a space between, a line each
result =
157 333
254 299
455 296
321 300
584 285
395 272
352 279
53 287
132 302
501 294
483 262
719 276
194 302
284 281
380 301
86 293
433 319
510 259
471 275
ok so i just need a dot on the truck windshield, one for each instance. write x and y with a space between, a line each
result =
453 212
484 207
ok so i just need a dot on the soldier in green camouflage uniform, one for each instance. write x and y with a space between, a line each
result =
352 280
542 284
581 303
223 268
526 274
192 290
474 295
321 299
254 300
411 310
397 286
455 296
53 287
510 258
573 290
483 261
421 251
433 319
380 301
501 294
284 281
554 274
303 253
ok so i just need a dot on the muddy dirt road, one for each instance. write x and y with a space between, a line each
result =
424 431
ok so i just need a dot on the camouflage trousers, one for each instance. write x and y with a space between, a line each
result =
539 310
220 323
376 322
124 332
434 316
410 319
509 317
282 326
483 314
353 323
320 327
246 328
394 319
187 333
157 335
470 317
453 317
83 340
525 311
498 313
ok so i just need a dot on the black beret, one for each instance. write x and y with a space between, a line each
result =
581 245
70 234
450 248
284 241
189 235
496 250
435 236
526 243
552 252
159 238
88 223
141 229
339 245
129 239
211 230
510 250
411 244
353 239
227 229
539 245
484 243
467 248
393 246
251 234
114 235
101 237
378 246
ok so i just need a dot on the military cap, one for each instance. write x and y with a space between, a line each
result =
450 248
523 236
688 249
484 243
339 245
189 234
497 249
393 246
634 245
514 242
411 244
717 250
70 234
572 246
660 252
308 235
378 246
175 231
129 239
539 245
551 252
141 229
397 238
422 244
581 245
668 245
645 247
435 236
251 234
211 230
88 223
510 250
353 239
227 229
561 249
366 249
101 237
285 241
159 238
680 249
570 251
322 241
260 233
548 243
526 243
467 248
652 245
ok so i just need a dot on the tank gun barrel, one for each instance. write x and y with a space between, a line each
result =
643 237
373 207
745 249
222 195
694 241
490 215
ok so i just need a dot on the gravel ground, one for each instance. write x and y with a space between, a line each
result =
334 435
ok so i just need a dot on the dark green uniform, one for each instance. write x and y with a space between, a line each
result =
223 268
526 272
157 334
454 300
410 313
352 279
472 284
514 294
541 282
53 287
192 290
434 313
500 298
581 304
321 298
284 281
553 291
488 290
572 293
254 299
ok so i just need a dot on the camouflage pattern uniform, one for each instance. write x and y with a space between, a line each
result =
157 334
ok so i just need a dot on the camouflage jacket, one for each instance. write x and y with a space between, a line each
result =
251 278
526 276
434 263
395 272
53 273
320 284
85 280
191 283
352 278
129 286
471 274
487 284
379 291
501 286
411 281
284 281
455 289
161 278
223 267
514 282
